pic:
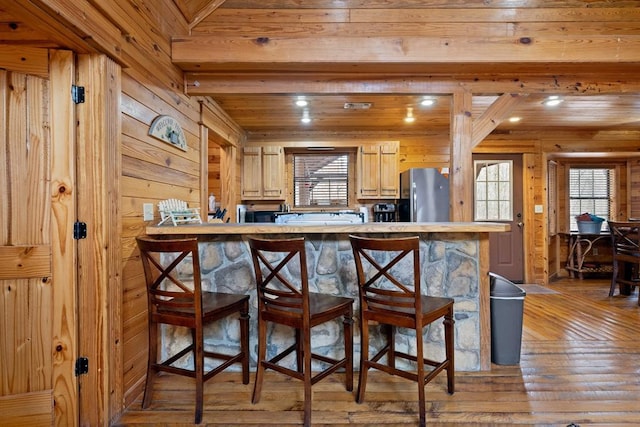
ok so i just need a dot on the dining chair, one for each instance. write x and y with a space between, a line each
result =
284 299
389 283
625 243
175 297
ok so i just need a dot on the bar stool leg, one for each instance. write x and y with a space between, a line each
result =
262 352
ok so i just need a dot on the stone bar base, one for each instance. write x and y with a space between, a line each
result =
450 267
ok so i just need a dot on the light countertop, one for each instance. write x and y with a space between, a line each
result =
368 227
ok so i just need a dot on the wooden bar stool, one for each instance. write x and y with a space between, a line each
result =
283 298
177 301
389 280
625 241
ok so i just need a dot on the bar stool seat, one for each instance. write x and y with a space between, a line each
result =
179 301
389 283
283 298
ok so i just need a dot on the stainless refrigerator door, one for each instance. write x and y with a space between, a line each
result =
428 193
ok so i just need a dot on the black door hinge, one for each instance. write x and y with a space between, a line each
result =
82 366
77 94
79 230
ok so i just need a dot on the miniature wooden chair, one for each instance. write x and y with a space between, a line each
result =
177 212
389 280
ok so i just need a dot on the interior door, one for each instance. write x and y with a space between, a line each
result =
498 198
37 251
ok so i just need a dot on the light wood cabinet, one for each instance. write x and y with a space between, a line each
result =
263 173
377 168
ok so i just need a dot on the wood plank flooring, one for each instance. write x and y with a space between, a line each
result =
580 364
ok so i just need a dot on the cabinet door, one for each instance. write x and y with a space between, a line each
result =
251 173
273 184
369 172
389 177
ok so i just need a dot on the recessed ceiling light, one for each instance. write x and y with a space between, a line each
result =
409 117
427 102
301 102
305 117
514 119
552 101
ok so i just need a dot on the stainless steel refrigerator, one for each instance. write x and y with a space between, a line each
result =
424 196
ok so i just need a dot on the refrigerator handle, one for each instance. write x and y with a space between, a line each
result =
414 202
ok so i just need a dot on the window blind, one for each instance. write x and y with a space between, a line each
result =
590 191
321 180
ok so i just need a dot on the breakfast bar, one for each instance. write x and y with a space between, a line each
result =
455 264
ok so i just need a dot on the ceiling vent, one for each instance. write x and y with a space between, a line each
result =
357 105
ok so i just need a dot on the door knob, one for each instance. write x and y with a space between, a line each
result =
520 224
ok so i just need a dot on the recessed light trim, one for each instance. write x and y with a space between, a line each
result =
409 117
552 101
301 101
427 102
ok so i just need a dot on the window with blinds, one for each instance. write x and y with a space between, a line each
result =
590 190
321 180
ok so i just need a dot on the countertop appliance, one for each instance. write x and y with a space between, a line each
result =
384 212
424 196
319 218
260 216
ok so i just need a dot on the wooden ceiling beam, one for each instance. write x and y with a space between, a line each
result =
353 54
28 60
204 12
207 84
494 115
76 25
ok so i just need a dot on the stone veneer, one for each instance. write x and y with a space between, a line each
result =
450 267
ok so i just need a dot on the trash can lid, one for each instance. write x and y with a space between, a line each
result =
502 287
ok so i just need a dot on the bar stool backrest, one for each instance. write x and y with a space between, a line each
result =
172 287
281 275
389 284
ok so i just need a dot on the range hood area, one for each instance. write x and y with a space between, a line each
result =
319 218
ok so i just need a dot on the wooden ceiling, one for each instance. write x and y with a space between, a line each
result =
255 57
393 53
279 114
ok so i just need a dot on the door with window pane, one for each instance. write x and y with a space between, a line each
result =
498 198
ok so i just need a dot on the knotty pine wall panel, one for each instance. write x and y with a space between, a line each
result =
151 169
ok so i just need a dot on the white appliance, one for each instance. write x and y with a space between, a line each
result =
319 218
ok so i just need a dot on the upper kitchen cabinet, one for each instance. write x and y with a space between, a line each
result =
377 168
263 173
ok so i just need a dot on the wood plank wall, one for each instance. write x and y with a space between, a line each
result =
152 170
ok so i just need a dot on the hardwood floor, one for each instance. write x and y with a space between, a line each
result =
580 364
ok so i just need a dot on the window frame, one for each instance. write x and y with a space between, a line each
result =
611 196
325 204
477 166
